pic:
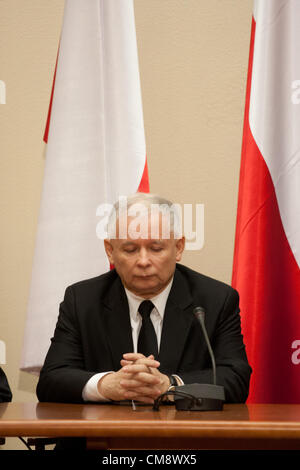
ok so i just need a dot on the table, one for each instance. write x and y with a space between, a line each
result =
238 426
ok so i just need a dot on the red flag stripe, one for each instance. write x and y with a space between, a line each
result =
144 183
46 133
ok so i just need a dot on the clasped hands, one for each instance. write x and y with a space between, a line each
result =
138 379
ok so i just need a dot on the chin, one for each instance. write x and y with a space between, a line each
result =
145 287
148 291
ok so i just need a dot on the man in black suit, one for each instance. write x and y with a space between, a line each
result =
97 352
5 393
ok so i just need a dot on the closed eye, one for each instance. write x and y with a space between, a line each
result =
156 248
130 249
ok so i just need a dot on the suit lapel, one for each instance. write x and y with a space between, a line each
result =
176 325
117 320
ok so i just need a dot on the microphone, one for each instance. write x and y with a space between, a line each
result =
201 397
199 313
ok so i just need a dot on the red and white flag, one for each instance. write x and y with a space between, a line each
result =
96 152
267 247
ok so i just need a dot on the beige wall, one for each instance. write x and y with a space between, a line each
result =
193 63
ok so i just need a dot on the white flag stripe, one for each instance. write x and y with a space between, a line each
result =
274 116
96 152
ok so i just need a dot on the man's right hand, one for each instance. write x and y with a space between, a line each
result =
143 387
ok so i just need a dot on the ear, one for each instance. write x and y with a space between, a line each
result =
109 250
180 244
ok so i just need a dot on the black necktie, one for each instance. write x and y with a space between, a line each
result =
147 343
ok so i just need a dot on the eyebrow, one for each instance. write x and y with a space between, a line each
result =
127 243
133 242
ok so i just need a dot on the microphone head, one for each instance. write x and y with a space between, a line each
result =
199 313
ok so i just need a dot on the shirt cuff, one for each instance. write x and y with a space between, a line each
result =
90 391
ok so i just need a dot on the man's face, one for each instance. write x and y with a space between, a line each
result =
145 265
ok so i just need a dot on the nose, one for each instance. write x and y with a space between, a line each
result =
143 258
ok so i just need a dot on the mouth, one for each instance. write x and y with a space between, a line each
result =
145 276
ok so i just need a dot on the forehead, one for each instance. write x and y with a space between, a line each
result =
149 227
148 244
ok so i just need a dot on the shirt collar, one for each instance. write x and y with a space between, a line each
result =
159 301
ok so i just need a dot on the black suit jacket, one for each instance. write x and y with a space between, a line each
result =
93 331
5 393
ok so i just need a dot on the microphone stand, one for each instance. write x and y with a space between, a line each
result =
198 397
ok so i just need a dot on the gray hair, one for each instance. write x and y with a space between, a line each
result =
146 204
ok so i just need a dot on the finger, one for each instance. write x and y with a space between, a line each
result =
130 384
148 362
139 380
142 364
136 357
125 363
133 356
154 371
136 369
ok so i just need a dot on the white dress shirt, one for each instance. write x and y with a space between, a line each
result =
90 391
